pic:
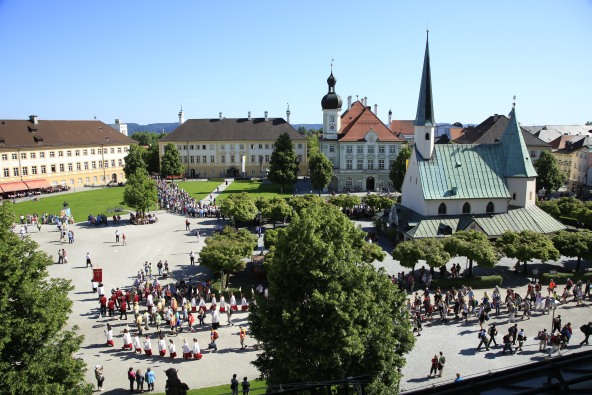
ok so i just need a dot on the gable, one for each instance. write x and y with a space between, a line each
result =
366 121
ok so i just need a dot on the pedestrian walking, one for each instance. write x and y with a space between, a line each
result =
131 376
543 337
147 346
124 239
242 335
88 260
127 340
100 376
192 258
246 386
507 339
441 363
434 367
161 346
492 333
196 350
60 256
483 340
172 349
109 336
187 224
234 385
213 338
229 313
117 236
586 330
556 323
513 331
521 339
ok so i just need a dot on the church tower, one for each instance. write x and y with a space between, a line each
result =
331 104
181 116
425 124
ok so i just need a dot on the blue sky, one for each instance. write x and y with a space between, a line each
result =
140 60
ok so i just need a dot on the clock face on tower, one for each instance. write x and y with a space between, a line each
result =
331 126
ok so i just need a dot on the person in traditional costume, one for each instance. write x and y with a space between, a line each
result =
172 349
147 347
186 350
161 346
127 340
196 351
109 335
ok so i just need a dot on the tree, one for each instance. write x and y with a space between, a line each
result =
140 191
301 202
171 164
408 253
240 207
574 244
527 245
226 252
152 160
148 138
276 209
473 245
134 159
377 202
321 170
36 354
283 168
270 237
399 168
316 303
549 176
345 201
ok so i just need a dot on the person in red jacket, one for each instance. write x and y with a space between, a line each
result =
122 310
103 303
111 307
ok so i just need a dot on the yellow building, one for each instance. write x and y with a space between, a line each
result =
231 147
36 154
571 153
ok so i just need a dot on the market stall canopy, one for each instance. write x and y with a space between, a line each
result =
38 184
13 187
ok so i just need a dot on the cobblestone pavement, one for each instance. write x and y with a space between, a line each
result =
168 240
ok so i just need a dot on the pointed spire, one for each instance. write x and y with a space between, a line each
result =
425 107
516 157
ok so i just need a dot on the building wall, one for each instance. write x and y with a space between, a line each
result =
524 190
215 158
573 166
64 165
455 206
412 192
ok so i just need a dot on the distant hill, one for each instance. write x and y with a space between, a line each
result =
153 127
308 125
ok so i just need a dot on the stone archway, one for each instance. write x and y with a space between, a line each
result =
370 183
114 178
192 173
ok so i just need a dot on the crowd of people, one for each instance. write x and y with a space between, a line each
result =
173 198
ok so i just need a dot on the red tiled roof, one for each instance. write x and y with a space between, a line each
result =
406 128
359 120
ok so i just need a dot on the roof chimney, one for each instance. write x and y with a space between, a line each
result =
249 115
390 116
495 117
365 101
265 115
376 109
220 115
349 98
33 118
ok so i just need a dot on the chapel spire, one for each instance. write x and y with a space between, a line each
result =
425 106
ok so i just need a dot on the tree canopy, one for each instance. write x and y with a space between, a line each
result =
170 164
239 206
147 138
377 202
473 245
345 201
36 353
527 245
325 297
549 176
399 167
140 191
226 252
134 159
301 202
408 253
283 168
276 209
574 244
321 171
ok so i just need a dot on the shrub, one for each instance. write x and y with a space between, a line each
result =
474 282
561 277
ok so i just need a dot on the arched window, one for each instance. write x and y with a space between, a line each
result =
442 209
490 208
466 208
427 136
513 196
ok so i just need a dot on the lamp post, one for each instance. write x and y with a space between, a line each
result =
103 159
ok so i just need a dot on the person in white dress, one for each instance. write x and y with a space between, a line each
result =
161 346
147 347
222 304
137 344
233 302
186 350
244 304
109 335
196 351
127 340
172 349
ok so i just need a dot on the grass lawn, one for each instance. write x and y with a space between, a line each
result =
199 189
257 388
257 188
81 204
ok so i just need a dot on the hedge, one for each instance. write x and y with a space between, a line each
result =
561 278
473 282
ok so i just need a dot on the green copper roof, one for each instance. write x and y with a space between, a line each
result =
463 171
516 158
425 106
516 219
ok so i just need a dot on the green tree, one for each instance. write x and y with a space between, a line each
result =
283 168
170 164
152 159
312 144
408 253
377 202
549 176
240 207
270 237
399 168
574 244
147 138
276 209
321 170
227 251
473 245
527 245
140 191
134 159
317 303
345 201
36 353
301 202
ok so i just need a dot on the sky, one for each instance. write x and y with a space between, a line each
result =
139 61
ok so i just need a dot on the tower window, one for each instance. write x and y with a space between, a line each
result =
427 136
513 196
490 208
466 209
442 209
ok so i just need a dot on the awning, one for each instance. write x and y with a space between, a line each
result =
38 184
13 187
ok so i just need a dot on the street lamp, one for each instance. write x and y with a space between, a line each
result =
103 159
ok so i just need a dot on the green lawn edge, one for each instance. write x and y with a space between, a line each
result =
257 387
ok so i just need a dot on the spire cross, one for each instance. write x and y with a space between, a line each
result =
332 60
514 102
